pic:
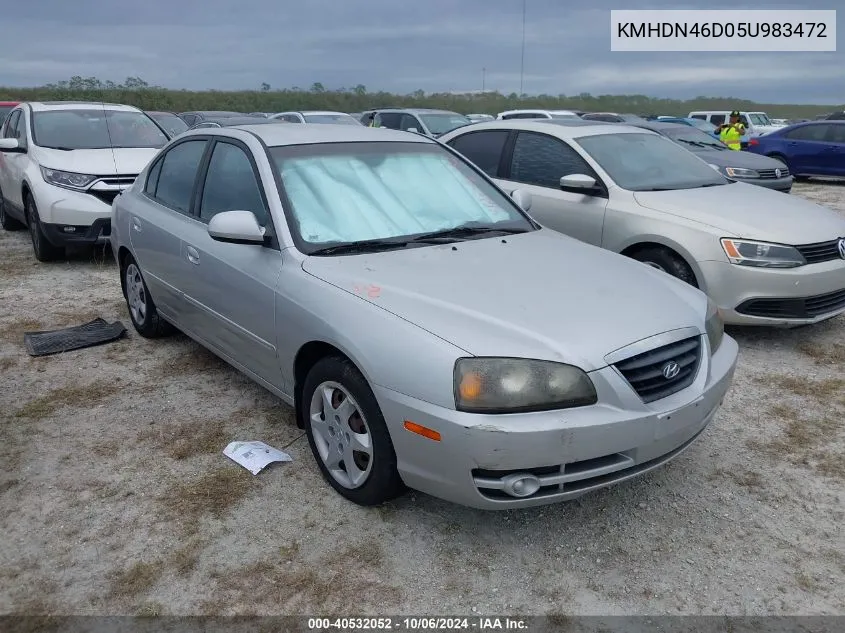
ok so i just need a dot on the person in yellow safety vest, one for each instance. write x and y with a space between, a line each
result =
731 133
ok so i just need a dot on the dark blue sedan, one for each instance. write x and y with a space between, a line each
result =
815 148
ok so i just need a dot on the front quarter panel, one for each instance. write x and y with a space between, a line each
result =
390 351
628 224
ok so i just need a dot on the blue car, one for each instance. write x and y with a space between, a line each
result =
815 148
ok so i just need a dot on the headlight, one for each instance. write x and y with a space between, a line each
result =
714 326
761 254
739 172
509 385
67 179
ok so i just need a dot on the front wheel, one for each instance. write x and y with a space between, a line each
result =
45 251
667 261
347 433
142 310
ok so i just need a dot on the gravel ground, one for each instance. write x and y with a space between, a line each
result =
115 497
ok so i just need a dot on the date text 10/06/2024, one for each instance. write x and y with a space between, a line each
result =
418 624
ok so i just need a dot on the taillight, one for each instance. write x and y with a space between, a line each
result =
753 141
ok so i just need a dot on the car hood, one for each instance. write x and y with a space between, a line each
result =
98 162
730 158
535 295
749 211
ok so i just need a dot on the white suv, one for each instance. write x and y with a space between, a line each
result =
63 163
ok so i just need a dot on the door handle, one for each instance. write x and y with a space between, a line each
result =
136 225
193 255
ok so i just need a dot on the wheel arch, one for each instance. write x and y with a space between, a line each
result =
308 355
674 248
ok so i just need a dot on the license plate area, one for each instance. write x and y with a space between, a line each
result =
684 417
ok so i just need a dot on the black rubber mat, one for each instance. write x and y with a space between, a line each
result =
95 332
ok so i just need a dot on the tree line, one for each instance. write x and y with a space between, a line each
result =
135 91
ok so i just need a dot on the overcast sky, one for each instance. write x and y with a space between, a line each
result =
394 45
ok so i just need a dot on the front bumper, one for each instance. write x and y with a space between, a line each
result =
571 451
767 296
98 232
778 184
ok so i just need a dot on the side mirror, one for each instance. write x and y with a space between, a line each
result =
579 183
11 145
236 227
522 199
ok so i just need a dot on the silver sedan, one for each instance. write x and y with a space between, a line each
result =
427 332
764 258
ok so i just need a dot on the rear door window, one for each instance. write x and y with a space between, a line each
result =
483 148
178 174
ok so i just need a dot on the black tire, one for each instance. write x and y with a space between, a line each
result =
383 482
6 221
800 178
666 260
45 251
147 321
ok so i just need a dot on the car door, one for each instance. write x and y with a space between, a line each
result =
6 162
14 163
805 147
159 220
484 148
233 285
410 123
537 163
833 157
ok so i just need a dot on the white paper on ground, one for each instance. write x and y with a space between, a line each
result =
254 456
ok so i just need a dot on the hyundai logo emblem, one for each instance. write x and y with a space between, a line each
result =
670 370
777 173
842 248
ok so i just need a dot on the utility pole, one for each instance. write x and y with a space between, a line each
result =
522 57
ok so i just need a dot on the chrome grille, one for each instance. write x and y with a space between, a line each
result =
770 173
820 251
645 372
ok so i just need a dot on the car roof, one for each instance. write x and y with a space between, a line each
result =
161 112
417 111
240 120
9 103
538 110
318 112
314 133
46 106
659 126
217 113
562 129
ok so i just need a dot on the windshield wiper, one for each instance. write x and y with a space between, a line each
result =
711 184
364 246
461 232
696 143
59 147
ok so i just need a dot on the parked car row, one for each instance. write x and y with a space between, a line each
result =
467 315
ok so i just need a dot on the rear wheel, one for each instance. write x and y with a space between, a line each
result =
6 221
45 251
666 260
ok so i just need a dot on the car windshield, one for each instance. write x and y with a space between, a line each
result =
704 126
441 123
648 162
171 123
691 136
343 193
758 118
339 119
95 129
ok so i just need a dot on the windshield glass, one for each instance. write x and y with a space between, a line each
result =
349 192
171 123
758 118
340 119
95 129
688 134
441 123
704 126
646 162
